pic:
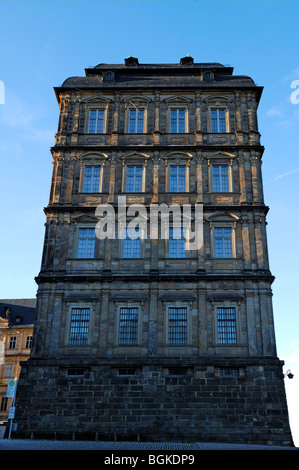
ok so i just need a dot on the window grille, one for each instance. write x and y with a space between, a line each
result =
177 325
177 180
91 179
220 178
134 179
226 320
86 243
177 121
218 120
128 326
223 242
136 121
79 326
229 372
96 121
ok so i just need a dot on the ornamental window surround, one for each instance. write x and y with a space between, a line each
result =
223 235
91 172
177 114
136 112
218 114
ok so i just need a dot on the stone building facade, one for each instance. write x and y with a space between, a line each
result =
16 329
143 338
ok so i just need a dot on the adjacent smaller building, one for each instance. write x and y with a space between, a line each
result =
16 328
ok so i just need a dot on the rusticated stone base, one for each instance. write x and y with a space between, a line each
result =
154 399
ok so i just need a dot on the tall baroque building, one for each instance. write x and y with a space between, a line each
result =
144 338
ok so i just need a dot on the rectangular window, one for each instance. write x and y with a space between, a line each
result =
220 178
228 372
79 326
29 342
136 121
223 242
218 120
177 246
131 247
128 326
134 179
226 324
177 178
8 370
91 182
86 243
177 325
96 121
12 342
3 406
177 121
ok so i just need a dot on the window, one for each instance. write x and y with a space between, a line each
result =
12 342
177 248
177 178
79 326
8 370
29 342
177 120
128 326
177 325
220 178
229 372
91 183
134 179
136 121
226 325
86 243
218 120
223 242
131 247
3 406
96 121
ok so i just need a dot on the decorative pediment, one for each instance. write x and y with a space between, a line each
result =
177 100
217 100
97 100
93 156
222 216
135 156
137 99
177 157
219 155
85 219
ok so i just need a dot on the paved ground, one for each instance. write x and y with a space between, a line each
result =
27 444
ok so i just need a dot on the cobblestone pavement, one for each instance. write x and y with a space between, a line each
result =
28 444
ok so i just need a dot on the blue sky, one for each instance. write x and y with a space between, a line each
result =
44 42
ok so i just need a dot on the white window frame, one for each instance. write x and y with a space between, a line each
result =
97 120
229 178
93 177
219 120
79 228
177 129
177 190
137 119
